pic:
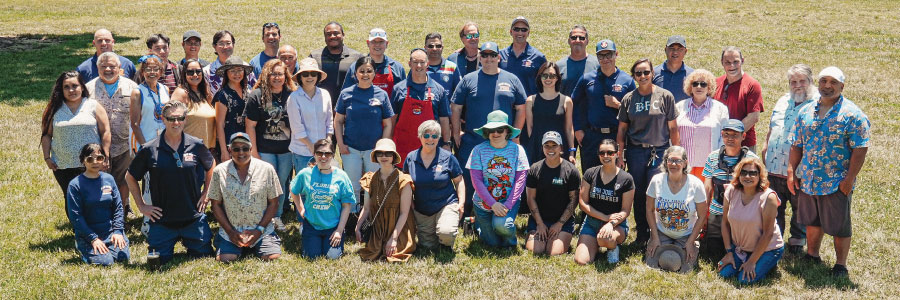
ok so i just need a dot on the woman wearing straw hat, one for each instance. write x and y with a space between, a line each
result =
309 111
498 168
229 101
749 229
393 229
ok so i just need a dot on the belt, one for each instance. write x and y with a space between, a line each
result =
602 129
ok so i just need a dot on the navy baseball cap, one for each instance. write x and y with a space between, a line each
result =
490 46
606 45
733 124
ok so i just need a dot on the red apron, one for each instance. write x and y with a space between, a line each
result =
413 114
385 81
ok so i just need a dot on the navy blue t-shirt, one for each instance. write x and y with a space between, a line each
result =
95 207
234 113
481 94
175 177
571 71
364 109
447 74
88 68
388 65
590 106
524 66
434 183
440 102
672 81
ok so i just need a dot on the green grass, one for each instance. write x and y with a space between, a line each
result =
38 260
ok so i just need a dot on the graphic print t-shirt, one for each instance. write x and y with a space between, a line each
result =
676 213
607 197
499 167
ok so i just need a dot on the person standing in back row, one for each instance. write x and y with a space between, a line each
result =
741 93
388 71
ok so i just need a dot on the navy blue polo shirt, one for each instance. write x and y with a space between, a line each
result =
590 107
434 183
447 74
481 94
524 66
364 109
173 188
387 66
88 68
440 103
672 81
570 71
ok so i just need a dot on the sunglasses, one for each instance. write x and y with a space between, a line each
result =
472 36
193 72
749 173
520 29
174 119
489 54
435 46
431 136
308 74
95 158
642 73
578 38
607 153
494 130
270 24
240 149
383 154
324 153
546 76
699 84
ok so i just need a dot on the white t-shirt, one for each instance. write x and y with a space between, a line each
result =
676 213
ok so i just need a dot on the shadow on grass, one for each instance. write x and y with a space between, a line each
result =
441 255
816 276
478 249
625 251
33 62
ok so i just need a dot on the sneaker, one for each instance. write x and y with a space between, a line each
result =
612 255
840 271
795 249
278 224
812 259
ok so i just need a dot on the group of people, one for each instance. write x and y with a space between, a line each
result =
673 146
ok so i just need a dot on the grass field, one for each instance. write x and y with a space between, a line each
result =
40 39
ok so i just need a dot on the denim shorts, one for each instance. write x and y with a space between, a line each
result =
591 226
568 226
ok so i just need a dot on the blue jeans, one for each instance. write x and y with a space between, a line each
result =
497 231
356 164
317 243
300 162
196 238
283 164
767 261
114 255
642 170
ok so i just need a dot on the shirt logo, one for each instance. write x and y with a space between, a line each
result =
617 88
557 181
106 190
503 87
375 102
189 157
526 63
438 168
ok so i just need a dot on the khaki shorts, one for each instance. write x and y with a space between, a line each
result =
118 165
831 212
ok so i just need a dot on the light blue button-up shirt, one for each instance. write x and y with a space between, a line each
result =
778 148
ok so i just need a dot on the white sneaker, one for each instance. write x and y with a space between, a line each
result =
612 255
278 224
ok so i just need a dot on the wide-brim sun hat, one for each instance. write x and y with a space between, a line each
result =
497 119
233 62
309 64
670 257
385 145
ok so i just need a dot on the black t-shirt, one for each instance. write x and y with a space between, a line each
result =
175 177
607 198
553 186
273 130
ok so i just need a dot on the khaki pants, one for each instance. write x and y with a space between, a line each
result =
442 227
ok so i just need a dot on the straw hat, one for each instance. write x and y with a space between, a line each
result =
670 257
233 62
309 64
385 145
497 119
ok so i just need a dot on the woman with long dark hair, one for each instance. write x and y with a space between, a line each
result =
193 91
229 101
549 110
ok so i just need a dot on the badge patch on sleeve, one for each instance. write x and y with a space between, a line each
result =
189 157
106 190
503 87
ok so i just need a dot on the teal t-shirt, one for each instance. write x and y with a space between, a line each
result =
322 195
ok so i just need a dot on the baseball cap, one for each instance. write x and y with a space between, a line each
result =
240 137
189 34
377 33
833 72
551 136
489 46
519 19
676 39
605 45
732 124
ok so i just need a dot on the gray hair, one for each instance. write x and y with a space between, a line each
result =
429 126
173 105
110 56
806 71
674 149
732 49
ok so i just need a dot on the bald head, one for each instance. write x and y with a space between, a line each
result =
288 55
103 41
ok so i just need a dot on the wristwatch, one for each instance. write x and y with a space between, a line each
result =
260 228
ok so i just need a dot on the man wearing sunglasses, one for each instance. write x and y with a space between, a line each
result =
441 70
718 171
466 58
191 43
670 74
480 93
597 97
179 165
244 193
520 58
271 38
335 59
740 93
578 63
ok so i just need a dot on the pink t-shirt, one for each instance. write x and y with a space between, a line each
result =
746 220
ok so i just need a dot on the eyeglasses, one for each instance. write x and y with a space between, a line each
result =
699 84
95 158
675 161
472 36
606 153
273 74
520 29
324 153
175 119
489 54
154 69
383 154
240 149
308 74
578 38
731 135
642 73
546 76
430 136
608 55
224 43
192 43
193 72
434 46
749 173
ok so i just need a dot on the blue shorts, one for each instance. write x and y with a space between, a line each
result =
568 226
270 244
591 226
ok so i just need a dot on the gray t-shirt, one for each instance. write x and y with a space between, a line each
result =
647 116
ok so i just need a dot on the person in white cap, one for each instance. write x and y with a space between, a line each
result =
829 144
387 70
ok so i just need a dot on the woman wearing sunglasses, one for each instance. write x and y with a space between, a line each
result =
549 110
646 129
700 119
94 207
193 91
393 229
309 112
323 196
607 193
749 229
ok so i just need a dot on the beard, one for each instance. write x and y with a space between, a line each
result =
798 96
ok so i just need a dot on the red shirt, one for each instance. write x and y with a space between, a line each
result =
742 97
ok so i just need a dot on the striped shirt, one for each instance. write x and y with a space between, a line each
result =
699 128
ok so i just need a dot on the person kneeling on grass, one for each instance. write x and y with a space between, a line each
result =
607 193
244 193
95 210
749 229
552 191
